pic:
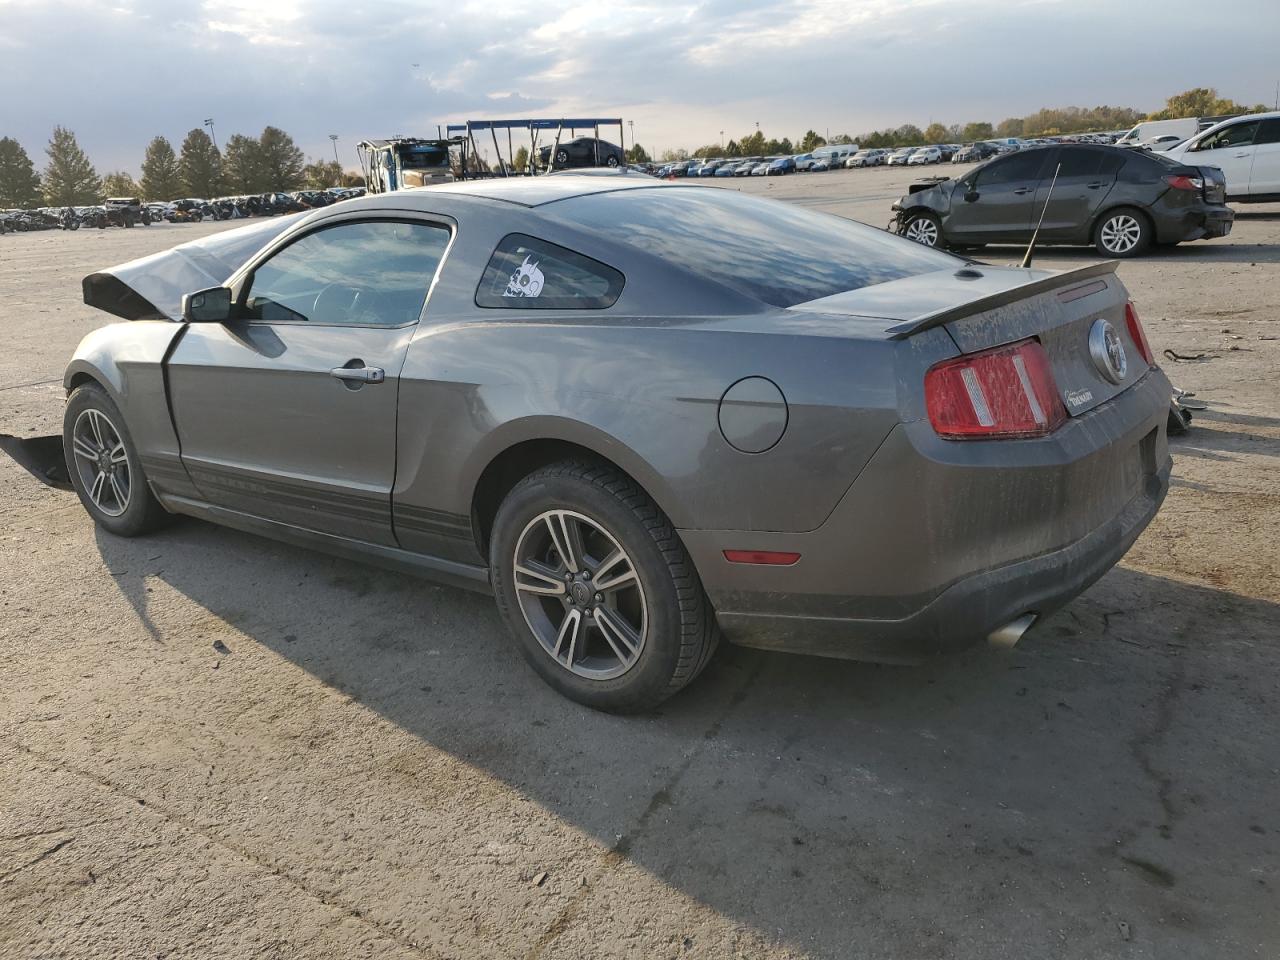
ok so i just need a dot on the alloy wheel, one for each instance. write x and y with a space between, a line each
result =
1121 233
923 230
101 462
580 594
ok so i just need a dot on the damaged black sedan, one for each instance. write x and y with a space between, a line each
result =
1122 202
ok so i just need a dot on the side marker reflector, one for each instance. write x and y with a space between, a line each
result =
773 558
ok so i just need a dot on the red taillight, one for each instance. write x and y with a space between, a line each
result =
1136 333
1184 183
1005 392
772 558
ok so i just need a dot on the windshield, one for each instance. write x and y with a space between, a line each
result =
776 252
424 158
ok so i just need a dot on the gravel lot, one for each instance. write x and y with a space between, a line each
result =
212 745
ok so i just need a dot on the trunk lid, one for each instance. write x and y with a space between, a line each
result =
982 306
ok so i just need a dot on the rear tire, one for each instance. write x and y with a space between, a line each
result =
673 631
1122 233
94 437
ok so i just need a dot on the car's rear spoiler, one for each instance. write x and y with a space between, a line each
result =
1069 281
151 288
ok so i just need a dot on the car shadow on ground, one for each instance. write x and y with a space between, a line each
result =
1117 767
1209 435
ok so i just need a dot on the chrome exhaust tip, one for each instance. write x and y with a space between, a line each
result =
1008 635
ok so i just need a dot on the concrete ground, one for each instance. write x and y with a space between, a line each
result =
215 746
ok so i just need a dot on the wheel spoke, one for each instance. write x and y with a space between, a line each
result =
534 577
96 427
619 634
567 538
614 572
570 630
82 449
99 486
118 454
117 488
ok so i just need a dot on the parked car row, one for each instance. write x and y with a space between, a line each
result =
849 155
131 211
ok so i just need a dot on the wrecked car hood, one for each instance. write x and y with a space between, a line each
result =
152 287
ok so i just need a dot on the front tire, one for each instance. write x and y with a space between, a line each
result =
104 466
924 229
598 591
1123 233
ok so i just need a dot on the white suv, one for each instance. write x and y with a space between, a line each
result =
1246 149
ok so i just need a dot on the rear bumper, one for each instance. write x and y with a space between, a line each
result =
1201 222
969 609
939 543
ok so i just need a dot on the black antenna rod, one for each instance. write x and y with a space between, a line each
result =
1026 260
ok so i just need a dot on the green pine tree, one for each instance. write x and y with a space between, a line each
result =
161 178
119 184
282 162
69 179
200 166
242 166
19 183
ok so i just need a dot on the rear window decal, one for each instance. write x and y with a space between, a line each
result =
526 281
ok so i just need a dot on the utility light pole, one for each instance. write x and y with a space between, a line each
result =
209 123
334 138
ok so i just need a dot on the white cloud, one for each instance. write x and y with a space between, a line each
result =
681 69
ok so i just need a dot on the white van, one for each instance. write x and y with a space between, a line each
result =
836 153
1148 130
1246 149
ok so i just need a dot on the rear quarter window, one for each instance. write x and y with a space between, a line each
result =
526 273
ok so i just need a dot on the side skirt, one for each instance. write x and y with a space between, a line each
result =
455 574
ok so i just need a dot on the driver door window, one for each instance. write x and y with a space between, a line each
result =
1020 166
1237 135
371 273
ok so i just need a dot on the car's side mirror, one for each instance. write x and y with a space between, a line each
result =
970 194
207 306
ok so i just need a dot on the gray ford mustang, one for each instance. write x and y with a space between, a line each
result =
643 415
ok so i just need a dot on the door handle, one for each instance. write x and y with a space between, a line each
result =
1022 190
360 374
1096 184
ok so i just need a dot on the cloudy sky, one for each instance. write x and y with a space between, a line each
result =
118 73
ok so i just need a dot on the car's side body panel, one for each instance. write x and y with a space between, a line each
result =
127 359
266 429
470 392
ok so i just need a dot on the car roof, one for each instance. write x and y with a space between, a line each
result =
528 191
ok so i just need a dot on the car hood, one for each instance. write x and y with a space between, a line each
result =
152 287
